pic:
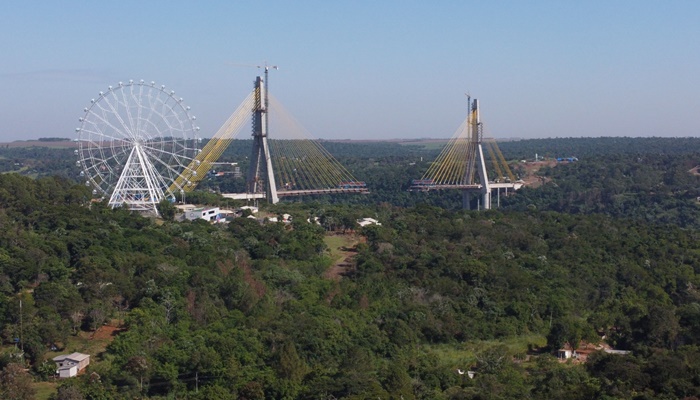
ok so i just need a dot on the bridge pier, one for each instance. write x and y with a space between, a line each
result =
466 200
484 199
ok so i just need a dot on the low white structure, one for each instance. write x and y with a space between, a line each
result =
207 214
618 352
368 221
564 354
69 365
470 374
252 209
185 207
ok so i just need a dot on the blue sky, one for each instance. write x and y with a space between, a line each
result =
366 69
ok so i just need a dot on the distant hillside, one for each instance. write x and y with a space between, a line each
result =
59 143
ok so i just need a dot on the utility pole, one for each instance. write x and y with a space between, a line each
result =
21 341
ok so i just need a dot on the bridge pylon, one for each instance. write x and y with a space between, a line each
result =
476 136
461 165
261 177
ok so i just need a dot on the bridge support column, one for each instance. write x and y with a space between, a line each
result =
466 200
485 187
486 200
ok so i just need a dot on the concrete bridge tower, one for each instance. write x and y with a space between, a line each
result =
261 176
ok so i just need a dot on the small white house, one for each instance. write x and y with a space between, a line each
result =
252 209
69 365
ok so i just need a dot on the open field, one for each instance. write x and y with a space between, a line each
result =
341 249
463 355
45 389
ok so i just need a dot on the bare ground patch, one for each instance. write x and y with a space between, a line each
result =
531 178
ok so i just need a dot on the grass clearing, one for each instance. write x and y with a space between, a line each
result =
44 389
336 242
83 344
463 355
340 254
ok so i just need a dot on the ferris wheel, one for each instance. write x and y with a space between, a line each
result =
134 141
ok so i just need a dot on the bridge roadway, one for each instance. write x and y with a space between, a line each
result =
492 185
283 193
289 193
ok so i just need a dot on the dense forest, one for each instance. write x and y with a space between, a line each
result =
605 251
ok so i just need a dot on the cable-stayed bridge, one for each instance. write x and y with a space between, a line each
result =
461 165
288 163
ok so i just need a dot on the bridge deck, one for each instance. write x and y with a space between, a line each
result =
243 196
501 185
290 193
441 187
287 193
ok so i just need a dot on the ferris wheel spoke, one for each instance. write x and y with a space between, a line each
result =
127 108
161 122
106 122
166 172
102 135
162 154
109 160
161 118
93 147
118 116
162 143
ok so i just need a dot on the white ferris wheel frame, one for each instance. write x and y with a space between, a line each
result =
134 140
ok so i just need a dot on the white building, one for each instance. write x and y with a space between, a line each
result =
207 214
368 221
69 365
564 354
